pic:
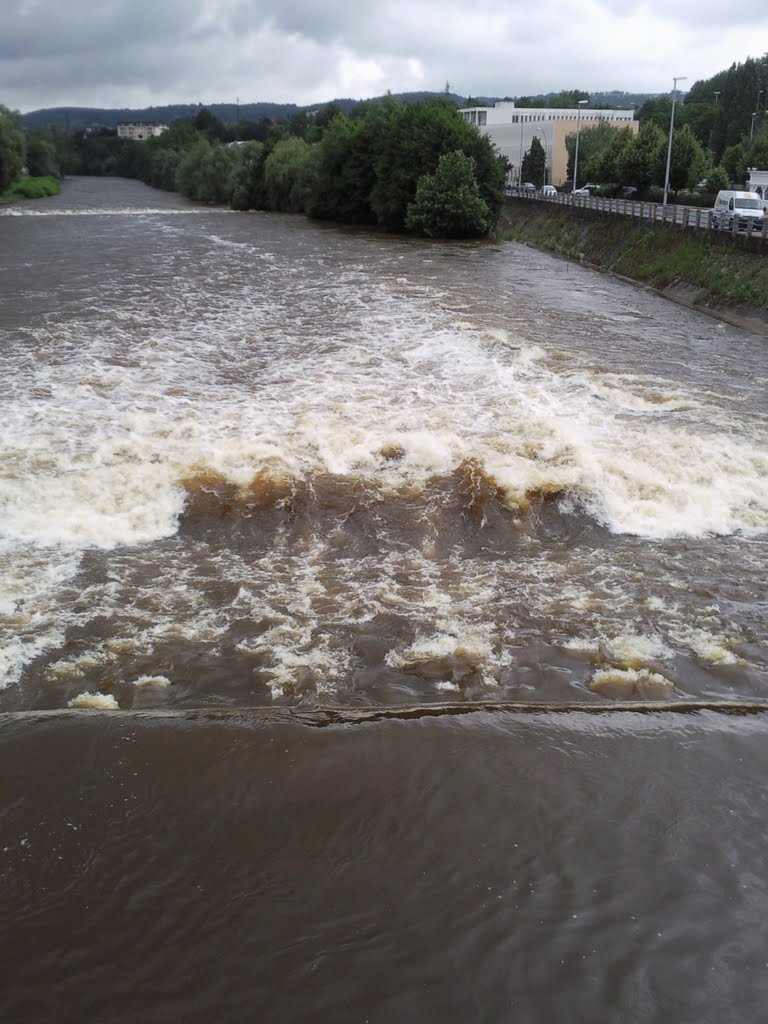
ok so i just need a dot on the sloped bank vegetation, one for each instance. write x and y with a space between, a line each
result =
720 275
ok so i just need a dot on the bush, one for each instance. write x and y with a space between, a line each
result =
448 202
32 188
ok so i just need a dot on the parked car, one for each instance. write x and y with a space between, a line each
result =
548 190
628 190
528 186
581 191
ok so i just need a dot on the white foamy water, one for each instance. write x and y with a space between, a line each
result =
270 357
100 457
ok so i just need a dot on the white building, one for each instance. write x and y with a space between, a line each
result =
758 182
140 130
512 129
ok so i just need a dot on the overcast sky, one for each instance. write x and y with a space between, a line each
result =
136 53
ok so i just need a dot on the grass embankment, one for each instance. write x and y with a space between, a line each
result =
709 270
30 188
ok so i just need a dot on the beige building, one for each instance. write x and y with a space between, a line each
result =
140 130
512 129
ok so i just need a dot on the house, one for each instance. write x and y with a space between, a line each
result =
139 130
512 129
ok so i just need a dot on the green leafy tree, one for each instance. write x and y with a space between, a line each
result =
288 175
717 178
535 163
13 147
605 165
592 142
42 158
686 152
209 125
345 174
741 89
413 138
734 162
215 176
757 151
189 171
448 203
248 191
637 162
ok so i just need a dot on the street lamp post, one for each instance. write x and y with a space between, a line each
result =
580 104
717 97
752 126
680 78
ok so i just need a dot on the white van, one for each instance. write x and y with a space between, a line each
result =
741 206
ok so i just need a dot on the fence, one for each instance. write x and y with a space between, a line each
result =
681 216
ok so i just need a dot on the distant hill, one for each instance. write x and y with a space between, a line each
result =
80 118
605 100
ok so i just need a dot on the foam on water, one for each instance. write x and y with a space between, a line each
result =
94 701
267 383
395 386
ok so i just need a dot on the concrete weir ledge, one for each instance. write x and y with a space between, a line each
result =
322 716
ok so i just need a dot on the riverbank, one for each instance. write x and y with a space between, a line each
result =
31 188
717 275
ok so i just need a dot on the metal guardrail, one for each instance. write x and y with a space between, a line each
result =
683 216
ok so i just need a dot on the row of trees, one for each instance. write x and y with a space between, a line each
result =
721 130
619 156
719 110
401 167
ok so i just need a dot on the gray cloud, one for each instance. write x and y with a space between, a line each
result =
141 52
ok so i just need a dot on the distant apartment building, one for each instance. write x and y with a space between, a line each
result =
140 130
512 129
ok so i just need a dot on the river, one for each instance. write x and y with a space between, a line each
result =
296 524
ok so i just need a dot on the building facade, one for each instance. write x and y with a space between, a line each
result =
512 129
758 182
140 130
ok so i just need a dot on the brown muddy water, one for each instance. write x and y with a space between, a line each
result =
259 474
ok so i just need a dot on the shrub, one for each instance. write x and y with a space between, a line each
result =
34 188
448 202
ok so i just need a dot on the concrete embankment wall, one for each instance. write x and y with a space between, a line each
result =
722 275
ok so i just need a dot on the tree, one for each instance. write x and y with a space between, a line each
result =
734 162
13 150
287 175
345 174
638 161
215 175
605 165
42 158
448 203
209 125
535 163
248 178
189 171
685 152
412 139
716 179
592 142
